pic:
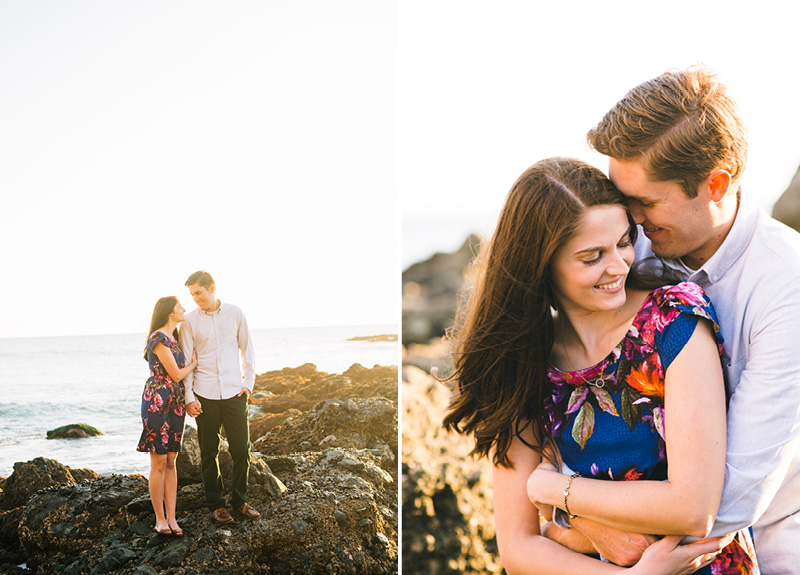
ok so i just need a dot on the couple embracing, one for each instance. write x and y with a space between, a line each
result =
623 410
212 387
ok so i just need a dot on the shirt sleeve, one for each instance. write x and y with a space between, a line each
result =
186 341
246 354
763 415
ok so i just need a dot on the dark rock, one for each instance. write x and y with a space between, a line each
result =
9 520
448 523
32 476
113 559
74 430
356 423
310 515
187 464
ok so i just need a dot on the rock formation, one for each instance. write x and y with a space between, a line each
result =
787 208
430 292
323 475
74 430
448 526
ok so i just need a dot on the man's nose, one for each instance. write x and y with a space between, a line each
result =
636 212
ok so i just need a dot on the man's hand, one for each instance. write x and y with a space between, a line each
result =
620 547
570 538
244 391
194 408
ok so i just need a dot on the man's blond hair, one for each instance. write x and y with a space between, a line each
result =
682 125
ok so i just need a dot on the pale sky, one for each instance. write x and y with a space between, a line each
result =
141 141
489 88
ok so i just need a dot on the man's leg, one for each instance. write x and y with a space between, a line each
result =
237 430
208 425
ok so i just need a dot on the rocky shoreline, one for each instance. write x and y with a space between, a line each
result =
323 475
448 522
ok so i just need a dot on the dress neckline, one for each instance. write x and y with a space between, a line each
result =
614 353
169 337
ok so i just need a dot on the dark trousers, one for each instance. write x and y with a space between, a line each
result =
232 415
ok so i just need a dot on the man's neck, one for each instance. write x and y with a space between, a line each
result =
726 216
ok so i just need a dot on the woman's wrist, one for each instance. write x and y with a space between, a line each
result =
547 487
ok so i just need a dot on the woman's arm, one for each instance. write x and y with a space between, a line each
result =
523 549
525 552
168 361
687 502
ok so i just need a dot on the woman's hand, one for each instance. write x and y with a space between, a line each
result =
194 357
542 471
669 557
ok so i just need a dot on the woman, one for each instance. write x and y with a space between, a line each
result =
565 354
163 410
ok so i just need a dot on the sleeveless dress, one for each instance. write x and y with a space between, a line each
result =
163 412
608 420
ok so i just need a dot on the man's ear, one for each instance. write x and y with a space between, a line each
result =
212 288
719 182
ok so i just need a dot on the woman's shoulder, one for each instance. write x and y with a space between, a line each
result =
158 337
665 304
683 295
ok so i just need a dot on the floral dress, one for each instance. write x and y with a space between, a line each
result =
163 411
608 419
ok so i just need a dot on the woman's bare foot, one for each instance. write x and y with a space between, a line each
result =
162 528
175 528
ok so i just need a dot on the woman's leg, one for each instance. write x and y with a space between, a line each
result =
171 490
156 482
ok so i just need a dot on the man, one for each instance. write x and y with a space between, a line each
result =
677 149
217 391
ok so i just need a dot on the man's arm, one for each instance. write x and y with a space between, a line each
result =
763 415
246 354
186 341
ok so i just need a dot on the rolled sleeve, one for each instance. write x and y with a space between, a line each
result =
246 354
186 342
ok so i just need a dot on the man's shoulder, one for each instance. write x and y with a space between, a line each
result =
776 246
192 315
232 307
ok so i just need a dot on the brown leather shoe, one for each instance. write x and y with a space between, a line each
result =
248 511
222 516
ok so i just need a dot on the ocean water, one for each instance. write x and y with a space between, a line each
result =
49 382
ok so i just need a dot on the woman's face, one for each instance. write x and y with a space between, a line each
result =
588 272
178 312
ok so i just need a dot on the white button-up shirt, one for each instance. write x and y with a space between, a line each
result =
225 355
754 282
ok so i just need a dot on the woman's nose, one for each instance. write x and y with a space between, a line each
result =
617 265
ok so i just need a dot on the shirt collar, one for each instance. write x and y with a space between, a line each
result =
732 248
216 311
734 245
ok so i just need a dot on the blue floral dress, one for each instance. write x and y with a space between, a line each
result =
608 420
163 410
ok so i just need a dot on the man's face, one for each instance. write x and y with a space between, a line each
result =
677 226
203 297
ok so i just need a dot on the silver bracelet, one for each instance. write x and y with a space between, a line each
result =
566 494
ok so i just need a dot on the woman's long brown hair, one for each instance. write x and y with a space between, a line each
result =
505 332
161 311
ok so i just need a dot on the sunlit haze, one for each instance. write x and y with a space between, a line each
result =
142 141
487 89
